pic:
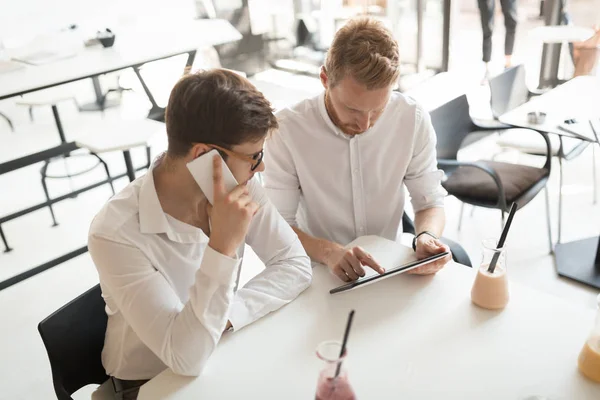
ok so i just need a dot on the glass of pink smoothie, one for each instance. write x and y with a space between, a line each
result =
330 387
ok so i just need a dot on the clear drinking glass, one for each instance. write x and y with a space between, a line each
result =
330 387
589 358
490 289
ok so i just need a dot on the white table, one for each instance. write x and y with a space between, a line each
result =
560 33
413 338
133 47
577 98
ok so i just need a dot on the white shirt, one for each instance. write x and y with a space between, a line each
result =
168 295
338 187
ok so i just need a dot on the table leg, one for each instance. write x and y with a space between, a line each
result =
6 246
59 126
101 102
129 165
157 112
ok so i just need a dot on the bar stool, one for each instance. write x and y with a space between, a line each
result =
52 99
121 135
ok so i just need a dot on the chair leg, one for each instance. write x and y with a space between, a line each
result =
31 113
560 199
8 121
594 174
548 222
6 246
45 187
502 225
110 179
460 216
148 157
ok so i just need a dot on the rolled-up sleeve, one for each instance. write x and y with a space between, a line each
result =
280 178
288 270
423 178
183 336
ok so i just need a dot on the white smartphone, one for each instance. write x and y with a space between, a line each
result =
202 171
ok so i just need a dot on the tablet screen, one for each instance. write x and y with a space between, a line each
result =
390 272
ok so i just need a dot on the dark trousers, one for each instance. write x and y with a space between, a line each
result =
126 390
486 11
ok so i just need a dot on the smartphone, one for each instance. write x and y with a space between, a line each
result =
202 171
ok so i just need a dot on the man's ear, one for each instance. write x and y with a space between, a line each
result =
323 76
199 149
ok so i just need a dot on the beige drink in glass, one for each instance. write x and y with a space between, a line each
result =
589 358
490 289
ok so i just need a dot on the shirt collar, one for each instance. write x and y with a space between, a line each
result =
326 118
153 219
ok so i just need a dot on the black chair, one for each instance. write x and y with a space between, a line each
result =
508 91
484 183
74 338
458 253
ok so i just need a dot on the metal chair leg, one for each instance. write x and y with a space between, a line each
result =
45 187
148 157
594 174
549 223
10 124
7 248
502 225
560 199
460 216
110 179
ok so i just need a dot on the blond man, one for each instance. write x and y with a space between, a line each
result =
340 163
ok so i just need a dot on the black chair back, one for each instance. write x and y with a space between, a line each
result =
508 90
74 338
452 123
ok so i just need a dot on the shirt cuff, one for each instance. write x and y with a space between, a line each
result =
239 315
219 267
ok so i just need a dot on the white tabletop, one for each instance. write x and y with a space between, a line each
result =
578 98
413 338
118 135
132 47
561 33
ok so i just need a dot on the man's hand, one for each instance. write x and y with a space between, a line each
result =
230 215
347 264
428 246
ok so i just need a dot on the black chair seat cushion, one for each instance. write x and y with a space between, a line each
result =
476 184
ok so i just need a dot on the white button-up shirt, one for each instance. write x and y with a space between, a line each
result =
168 295
340 187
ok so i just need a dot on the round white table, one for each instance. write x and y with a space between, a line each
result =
413 337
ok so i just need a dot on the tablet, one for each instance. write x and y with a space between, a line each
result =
388 273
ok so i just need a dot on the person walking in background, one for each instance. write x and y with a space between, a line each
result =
486 11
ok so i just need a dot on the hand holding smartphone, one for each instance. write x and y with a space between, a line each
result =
230 210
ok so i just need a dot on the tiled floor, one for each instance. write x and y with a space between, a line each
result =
24 369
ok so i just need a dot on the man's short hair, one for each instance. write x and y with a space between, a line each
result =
216 106
365 50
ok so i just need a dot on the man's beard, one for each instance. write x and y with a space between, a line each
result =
346 128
